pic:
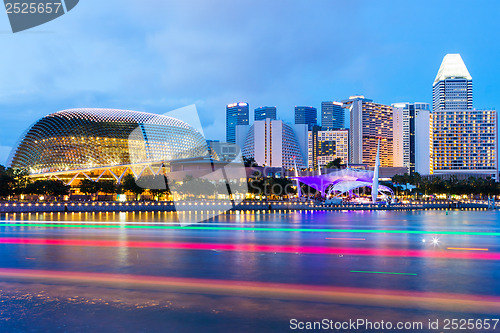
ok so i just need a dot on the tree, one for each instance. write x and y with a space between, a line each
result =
280 187
21 180
55 188
107 187
335 164
196 187
255 186
89 187
6 183
156 184
249 162
130 185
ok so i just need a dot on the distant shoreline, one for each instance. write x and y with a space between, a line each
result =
168 206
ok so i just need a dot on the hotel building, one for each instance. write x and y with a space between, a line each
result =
464 139
325 146
274 143
368 122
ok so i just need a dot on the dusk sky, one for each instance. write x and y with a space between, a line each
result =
156 56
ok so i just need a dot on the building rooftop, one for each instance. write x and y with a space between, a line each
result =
452 67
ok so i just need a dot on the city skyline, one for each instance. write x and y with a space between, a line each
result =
249 166
139 66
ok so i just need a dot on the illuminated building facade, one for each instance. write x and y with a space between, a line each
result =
236 114
332 115
265 112
325 146
274 143
96 143
368 122
306 115
464 139
413 137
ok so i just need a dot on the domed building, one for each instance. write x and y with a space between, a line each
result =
96 142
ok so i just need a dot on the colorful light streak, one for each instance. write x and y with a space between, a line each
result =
343 295
355 239
293 249
390 273
466 249
169 227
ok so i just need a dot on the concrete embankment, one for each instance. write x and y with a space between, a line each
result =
167 206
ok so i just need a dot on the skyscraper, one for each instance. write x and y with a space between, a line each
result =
236 114
452 88
274 143
412 137
265 112
369 122
332 115
464 139
306 115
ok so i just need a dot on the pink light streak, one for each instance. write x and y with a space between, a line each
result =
406 253
344 295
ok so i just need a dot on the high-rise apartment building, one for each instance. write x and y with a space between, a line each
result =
274 143
265 112
452 88
236 114
325 146
368 122
306 115
413 137
464 139
332 115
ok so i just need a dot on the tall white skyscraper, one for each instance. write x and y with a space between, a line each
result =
413 137
452 88
274 143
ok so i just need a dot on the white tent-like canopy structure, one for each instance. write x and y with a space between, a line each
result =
339 189
336 183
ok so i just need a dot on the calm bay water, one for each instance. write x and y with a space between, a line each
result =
246 272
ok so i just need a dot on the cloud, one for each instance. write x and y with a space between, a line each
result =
161 55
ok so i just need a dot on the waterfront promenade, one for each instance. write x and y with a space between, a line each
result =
199 206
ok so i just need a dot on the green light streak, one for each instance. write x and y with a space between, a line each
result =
391 273
368 231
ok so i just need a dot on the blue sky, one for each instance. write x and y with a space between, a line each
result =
156 55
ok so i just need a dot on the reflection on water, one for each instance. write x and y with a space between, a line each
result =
119 268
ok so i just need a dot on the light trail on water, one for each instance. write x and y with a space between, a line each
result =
198 227
332 294
292 249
